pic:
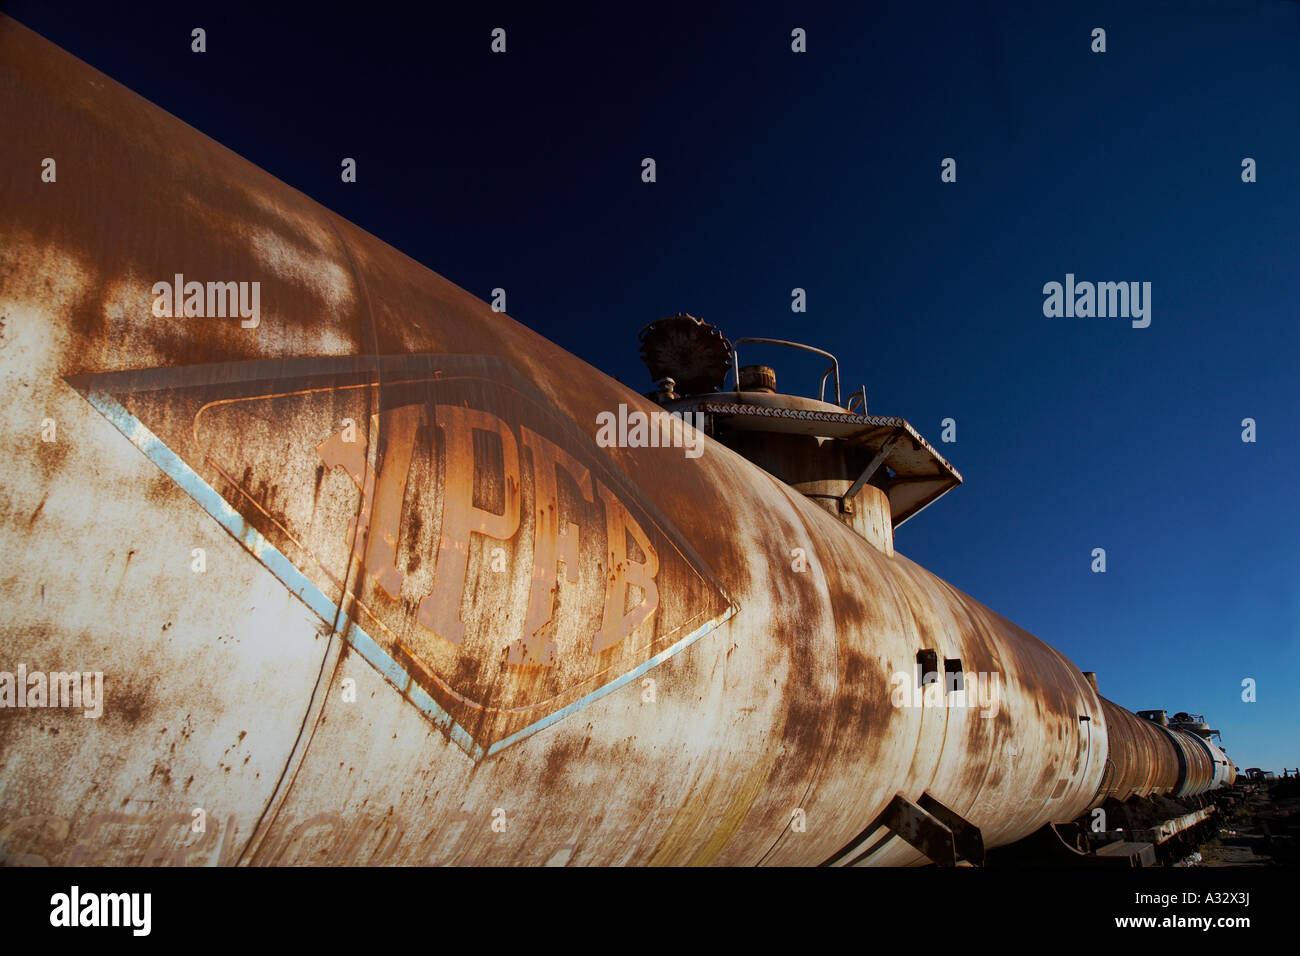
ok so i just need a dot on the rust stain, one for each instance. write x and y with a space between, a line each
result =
417 552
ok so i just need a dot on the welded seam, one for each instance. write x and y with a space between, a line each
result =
327 610
297 583
815 773
316 703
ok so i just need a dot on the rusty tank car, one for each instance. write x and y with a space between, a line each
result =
374 574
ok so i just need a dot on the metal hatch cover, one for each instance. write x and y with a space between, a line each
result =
921 475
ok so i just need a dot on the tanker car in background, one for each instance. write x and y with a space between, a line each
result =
316 558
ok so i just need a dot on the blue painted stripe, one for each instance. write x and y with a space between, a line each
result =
274 560
379 658
627 678
307 592
214 504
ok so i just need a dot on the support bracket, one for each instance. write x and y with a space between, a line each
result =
938 832
846 502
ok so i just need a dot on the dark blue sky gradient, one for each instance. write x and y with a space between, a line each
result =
821 171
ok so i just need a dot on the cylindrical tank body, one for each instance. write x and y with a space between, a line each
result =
1142 758
1146 757
367 582
1195 762
1224 774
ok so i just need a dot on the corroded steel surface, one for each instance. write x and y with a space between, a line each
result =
1225 771
1195 763
1142 759
365 588
1148 758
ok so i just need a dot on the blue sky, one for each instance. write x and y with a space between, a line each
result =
821 171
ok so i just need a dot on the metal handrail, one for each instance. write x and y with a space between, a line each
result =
821 391
858 398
